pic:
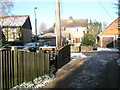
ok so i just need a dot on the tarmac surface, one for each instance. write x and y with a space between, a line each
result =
88 70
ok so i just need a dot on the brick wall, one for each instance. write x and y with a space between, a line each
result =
110 31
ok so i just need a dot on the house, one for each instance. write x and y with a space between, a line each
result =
48 37
17 28
74 29
109 38
50 30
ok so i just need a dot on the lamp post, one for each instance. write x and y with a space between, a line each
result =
35 26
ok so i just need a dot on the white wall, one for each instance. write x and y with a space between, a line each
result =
75 32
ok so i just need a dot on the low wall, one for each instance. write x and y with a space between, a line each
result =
75 49
86 48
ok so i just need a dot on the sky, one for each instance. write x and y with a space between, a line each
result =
99 10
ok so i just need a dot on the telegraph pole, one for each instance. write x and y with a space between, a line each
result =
119 15
119 21
58 25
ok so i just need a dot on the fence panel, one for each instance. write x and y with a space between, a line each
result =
12 68
0 70
4 69
46 63
41 63
17 67
20 67
63 56
32 65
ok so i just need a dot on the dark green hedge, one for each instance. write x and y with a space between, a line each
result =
88 40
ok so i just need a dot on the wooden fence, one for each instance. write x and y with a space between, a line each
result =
17 67
63 56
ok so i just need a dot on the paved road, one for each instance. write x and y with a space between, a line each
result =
88 70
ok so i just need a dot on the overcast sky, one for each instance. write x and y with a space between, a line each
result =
100 10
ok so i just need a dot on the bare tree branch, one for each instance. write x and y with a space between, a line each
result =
5 7
43 28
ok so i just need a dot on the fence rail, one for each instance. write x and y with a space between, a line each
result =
18 67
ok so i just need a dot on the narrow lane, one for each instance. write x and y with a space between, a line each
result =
88 70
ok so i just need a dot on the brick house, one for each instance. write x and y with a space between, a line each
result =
74 29
17 28
110 36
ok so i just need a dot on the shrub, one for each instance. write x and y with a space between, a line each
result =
88 40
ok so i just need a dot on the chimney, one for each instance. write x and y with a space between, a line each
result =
70 18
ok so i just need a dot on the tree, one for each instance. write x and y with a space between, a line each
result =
94 27
104 25
5 7
43 28
87 40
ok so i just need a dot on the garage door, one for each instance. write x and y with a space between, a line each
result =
107 42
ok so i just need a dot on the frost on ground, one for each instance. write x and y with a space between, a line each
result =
94 67
36 83
77 55
107 49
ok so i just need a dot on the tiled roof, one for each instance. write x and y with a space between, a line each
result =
74 22
49 35
111 29
13 20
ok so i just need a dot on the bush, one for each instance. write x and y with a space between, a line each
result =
88 40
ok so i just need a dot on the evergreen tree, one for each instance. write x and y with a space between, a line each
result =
94 27
87 40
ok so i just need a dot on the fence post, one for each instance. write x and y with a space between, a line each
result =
1 70
15 65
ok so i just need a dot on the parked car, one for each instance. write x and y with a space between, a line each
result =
31 46
41 42
50 43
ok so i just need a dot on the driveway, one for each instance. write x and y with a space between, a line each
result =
88 70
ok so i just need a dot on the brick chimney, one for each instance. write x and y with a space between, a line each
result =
70 18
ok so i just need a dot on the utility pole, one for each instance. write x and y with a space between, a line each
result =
119 15
58 25
119 21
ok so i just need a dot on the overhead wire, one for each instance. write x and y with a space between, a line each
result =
99 2
105 12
